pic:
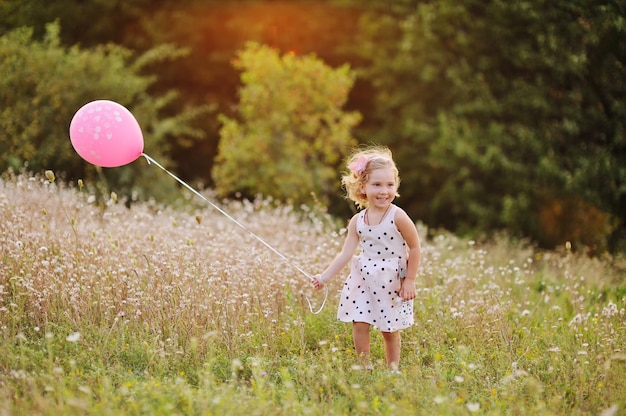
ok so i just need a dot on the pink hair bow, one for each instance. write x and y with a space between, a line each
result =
359 165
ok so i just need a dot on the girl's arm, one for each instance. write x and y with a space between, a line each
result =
342 259
407 228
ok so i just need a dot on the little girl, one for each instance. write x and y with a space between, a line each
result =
381 286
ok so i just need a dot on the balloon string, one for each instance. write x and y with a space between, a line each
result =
221 211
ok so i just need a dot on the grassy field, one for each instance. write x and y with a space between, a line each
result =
151 310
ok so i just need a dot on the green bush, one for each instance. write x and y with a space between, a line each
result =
291 132
43 84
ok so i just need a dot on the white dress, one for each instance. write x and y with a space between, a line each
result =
370 293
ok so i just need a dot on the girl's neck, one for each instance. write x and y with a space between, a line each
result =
374 215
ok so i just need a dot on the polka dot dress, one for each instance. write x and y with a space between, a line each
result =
370 293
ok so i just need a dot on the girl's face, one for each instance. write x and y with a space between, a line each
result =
380 187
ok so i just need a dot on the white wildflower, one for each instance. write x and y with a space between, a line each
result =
610 310
73 337
610 411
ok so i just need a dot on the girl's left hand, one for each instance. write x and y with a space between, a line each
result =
407 290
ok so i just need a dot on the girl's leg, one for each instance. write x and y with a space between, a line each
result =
392 348
361 337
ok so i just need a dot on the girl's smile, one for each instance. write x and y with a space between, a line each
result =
380 188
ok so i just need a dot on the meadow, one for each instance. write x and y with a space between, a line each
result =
175 310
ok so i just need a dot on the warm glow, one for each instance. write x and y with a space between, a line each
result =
292 27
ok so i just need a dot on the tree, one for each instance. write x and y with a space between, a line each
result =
213 31
42 84
509 114
90 22
291 132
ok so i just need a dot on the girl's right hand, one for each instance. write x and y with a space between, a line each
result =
317 282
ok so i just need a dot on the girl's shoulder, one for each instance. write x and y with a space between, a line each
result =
358 215
355 218
397 211
400 215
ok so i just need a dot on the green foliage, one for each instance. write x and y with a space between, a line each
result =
291 131
500 108
44 83
87 22
213 31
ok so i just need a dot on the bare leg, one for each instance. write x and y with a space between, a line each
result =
361 337
392 348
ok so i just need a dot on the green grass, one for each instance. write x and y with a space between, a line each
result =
106 310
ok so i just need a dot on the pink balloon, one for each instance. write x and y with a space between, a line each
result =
106 134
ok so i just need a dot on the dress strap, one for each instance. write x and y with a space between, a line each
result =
391 214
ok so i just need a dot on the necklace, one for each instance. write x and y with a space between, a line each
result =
367 218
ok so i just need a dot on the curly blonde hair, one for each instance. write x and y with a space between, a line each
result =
368 159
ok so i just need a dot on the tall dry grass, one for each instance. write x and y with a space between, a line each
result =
159 310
